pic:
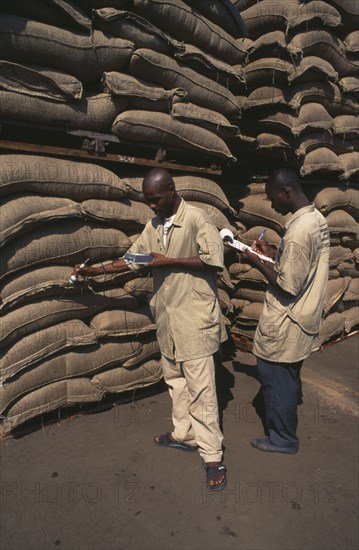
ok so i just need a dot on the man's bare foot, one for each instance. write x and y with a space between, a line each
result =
216 475
158 438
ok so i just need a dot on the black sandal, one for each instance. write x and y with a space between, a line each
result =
165 441
211 472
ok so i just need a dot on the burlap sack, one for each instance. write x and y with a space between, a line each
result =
243 337
242 5
44 313
217 217
201 189
246 273
340 221
326 45
314 14
339 254
84 56
351 319
89 5
256 210
249 316
351 43
58 177
141 94
348 269
311 141
149 350
333 273
332 198
224 301
132 27
271 44
350 162
36 283
39 81
321 160
271 237
267 15
239 304
330 327
43 344
244 189
209 66
224 281
351 241
160 128
120 323
207 119
270 70
277 123
250 294
22 213
327 93
270 142
312 117
349 84
349 11
75 363
123 214
185 24
335 291
119 380
68 243
222 13
311 68
166 72
265 96
347 126
56 12
352 292
94 112
60 394
141 288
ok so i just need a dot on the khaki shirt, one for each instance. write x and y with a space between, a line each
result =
185 303
288 327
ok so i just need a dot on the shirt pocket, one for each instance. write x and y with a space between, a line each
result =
272 322
205 310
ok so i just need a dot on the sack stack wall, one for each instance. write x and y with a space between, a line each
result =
175 74
300 107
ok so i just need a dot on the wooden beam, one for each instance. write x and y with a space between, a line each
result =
110 157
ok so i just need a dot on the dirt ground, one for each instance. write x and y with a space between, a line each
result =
98 482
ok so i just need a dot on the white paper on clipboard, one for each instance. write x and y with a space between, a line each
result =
241 246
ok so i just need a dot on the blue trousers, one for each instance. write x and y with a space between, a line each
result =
281 388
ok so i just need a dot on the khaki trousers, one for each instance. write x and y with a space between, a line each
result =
194 405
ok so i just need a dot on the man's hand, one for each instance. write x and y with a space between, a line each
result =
158 261
262 247
86 271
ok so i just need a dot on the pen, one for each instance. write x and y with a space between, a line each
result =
261 235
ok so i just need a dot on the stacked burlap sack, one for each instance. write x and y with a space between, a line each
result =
300 94
149 71
66 343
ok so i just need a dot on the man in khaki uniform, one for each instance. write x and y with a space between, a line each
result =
288 328
187 254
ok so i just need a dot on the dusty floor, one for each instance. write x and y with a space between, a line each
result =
97 482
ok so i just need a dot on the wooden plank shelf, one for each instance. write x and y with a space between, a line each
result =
99 147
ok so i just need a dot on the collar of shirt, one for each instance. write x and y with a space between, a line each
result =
300 212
